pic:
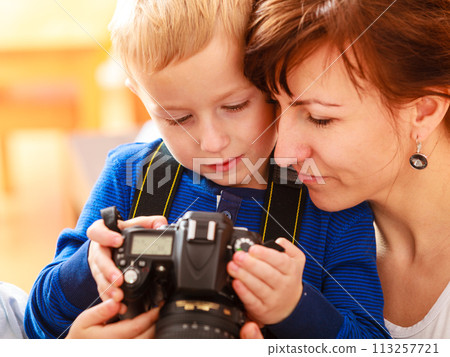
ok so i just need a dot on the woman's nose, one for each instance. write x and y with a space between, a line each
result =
292 147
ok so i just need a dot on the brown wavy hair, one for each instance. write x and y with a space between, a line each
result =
402 46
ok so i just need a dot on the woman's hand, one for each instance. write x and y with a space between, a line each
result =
251 330
92 323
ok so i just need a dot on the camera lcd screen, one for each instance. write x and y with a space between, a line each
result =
152 244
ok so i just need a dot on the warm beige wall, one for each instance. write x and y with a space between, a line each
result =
50 87
54 23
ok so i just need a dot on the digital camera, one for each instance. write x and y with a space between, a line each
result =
184 265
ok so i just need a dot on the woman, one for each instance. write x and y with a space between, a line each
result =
363 88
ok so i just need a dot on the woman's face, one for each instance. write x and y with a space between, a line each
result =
345 139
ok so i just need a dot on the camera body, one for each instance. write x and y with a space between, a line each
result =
184 265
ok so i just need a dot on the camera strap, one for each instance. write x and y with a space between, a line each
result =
283 205
165 174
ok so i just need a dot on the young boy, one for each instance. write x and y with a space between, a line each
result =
185 62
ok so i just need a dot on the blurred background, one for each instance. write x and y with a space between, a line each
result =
63 106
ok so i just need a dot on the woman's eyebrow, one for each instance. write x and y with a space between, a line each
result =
297 103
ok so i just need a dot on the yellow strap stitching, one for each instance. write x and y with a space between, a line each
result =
145 180
298 211
171 189
268 210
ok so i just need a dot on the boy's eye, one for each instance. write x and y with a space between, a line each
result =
178 121
237 107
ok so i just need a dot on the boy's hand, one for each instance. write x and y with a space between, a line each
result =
91 323
268 282
107 276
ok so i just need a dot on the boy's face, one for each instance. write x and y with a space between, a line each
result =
213 120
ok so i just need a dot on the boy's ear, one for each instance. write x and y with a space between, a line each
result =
429 113
130 84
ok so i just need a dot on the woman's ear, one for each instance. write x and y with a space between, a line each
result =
430 111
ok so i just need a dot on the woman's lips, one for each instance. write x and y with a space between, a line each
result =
310 179
226 165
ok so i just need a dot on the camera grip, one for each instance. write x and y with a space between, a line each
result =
134 308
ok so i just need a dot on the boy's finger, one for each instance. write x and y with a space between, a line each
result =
151 222
108 268
264 270
246 295
103 287
108 291
270 256
261 279
278 259
99 233
290 249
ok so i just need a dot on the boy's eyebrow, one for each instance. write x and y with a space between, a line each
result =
232 91
217 99
297 103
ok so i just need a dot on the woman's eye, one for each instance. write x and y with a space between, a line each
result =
319 122
179 121
237 107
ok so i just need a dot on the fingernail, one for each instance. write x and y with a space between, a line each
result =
110 304
233 267
239 256
255 332
115 277
117 240
114 295
254 249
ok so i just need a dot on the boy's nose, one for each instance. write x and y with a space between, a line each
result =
213 139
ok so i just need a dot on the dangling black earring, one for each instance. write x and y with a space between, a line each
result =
418 160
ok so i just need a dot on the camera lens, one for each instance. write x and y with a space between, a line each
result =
195 319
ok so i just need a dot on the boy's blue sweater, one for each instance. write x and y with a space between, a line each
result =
342 296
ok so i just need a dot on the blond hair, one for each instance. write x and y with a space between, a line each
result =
151 34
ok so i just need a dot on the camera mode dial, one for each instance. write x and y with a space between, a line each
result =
243 243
